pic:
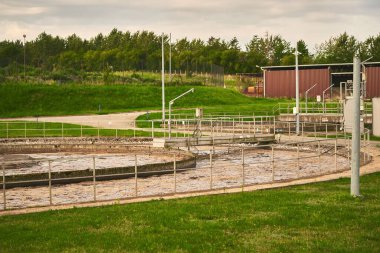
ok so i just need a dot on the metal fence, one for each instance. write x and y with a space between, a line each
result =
221 167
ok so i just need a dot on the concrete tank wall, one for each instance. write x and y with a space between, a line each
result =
376 116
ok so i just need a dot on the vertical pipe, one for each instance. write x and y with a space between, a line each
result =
355 157
136 176
50 195
94 176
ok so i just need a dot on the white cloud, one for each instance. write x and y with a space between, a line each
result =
313 21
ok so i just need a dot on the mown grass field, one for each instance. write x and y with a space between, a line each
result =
320 217
44 100
25 129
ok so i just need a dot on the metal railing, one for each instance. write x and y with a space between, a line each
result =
220 168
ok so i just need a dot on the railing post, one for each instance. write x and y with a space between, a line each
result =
274 125
7 130
4 190
43 126
335 154
136 192
210 169
243 170
50 195
94 176
326 130
62 129
81 131
315 131
175 175
298 160
152 129
319 157
272 164
134 129
288 128
25 129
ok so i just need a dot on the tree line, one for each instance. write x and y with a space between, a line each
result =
120 51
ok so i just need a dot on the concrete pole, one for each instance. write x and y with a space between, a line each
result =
163 79
297 96
355 151
170 58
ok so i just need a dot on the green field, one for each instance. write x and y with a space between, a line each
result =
320 217
45 100
24 129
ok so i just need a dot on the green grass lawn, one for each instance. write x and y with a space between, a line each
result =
16 129
320 217
40 100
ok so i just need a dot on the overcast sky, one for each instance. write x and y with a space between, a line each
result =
312 20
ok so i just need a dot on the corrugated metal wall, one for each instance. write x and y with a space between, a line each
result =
282 83
373 81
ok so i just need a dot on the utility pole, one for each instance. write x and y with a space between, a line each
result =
170 57
296 53
24 56
355 151
163 80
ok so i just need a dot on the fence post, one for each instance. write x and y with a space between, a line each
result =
254 127
335 155
134 129
336 131
315 131
94 176
233 128
4 189
210 169
274 124
272 164
81 131
298 160
62 129
243 171
43 127
302 125
175 174
50 195
319 157
136 193
288 128
152 129
7 130
326 130
25 129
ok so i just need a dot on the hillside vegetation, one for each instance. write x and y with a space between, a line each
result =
39 100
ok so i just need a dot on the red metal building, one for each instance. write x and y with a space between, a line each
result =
279 81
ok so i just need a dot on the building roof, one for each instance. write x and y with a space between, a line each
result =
310 66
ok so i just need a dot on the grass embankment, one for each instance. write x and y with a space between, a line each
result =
24 129
45 100
319 217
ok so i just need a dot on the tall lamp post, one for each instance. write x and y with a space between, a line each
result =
163 80
296 53
24 56
170 109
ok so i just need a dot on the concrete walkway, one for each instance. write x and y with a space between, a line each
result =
110 121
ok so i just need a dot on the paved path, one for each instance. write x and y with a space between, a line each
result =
111 121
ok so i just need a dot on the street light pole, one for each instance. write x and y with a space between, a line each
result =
170 58
24 56
170 109
296 53
163 80
306 93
